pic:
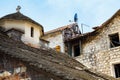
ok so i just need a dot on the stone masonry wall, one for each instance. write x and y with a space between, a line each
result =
106 59
97 54
102 42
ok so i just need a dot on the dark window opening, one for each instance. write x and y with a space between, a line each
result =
117 70
114 40
32 31
76 50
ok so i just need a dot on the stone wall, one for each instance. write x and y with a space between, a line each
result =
97 54
15 34
102 61
88 60
102 42
106 59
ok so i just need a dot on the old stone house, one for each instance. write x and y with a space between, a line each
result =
22 62
100 49
33 61
57 36
23 28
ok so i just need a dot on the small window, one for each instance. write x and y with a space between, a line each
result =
117 70
76 50
32 31
57 48
114 40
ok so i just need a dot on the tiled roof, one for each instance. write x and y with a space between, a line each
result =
60 28
60 65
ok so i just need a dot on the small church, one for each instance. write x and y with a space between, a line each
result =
22 28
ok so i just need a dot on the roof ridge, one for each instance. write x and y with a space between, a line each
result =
20 16
59 28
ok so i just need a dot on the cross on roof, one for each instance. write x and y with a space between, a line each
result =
18 8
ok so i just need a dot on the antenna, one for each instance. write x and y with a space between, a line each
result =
82 24
75 18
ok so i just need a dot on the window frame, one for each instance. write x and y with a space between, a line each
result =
73 50
111 45
32 31
116 75
112 69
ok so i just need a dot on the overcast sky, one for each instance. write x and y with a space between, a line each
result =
56 13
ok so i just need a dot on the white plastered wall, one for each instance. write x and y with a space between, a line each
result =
26 38
19 25
55 39
25 26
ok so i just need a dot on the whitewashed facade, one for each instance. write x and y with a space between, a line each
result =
32 31
55 39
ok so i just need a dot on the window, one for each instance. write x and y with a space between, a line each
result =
76 50
117 70
114 40
57 48
32 31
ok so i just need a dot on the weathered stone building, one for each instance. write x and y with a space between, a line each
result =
21 62
100 49
57 36
21 27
